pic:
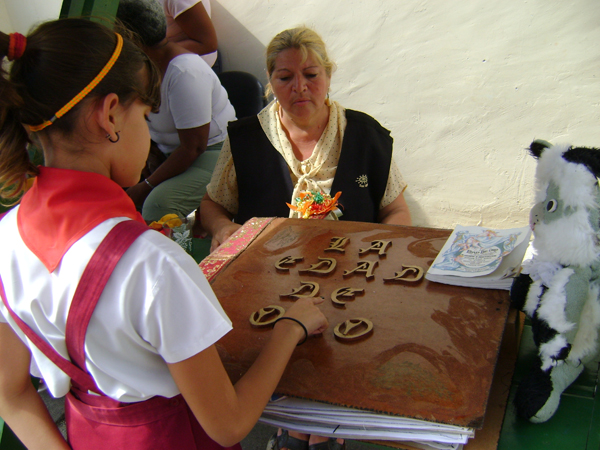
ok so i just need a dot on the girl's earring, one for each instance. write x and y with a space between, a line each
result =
114 141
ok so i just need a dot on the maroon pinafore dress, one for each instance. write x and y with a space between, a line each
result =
97 422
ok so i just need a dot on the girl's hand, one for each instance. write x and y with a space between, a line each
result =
306 311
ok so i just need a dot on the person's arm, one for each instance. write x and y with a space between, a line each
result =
21 407
197 25
217 221
396 213
226 412
193 143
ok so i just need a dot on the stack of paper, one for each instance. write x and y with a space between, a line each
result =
480 257
311 417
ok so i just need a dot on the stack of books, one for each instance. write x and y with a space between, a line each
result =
322 419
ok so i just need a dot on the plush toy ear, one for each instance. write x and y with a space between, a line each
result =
590 157
538 146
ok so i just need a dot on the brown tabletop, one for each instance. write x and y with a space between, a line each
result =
433 348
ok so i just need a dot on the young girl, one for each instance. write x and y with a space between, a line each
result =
144 368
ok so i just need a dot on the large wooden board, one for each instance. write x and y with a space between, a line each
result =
434 347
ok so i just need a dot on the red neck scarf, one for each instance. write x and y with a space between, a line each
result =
63 205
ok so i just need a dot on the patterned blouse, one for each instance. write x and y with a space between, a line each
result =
315 173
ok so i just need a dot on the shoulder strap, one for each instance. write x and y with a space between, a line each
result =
75 373
91 285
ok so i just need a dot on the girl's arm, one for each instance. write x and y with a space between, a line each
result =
197 25
21 407
396 213
193 143
226 412
217 221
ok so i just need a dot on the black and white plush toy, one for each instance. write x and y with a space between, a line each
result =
561 288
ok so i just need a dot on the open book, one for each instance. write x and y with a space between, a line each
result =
337 421
480 257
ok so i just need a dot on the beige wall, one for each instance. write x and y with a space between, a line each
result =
463 86
24 14
5 24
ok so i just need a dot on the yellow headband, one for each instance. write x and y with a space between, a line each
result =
86 90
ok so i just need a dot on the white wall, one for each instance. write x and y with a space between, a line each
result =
463 86
24 14
5 24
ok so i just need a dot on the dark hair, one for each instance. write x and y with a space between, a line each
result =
60 59
146 18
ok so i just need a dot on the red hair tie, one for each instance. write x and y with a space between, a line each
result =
16 46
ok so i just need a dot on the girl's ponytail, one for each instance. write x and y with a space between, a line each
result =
15 166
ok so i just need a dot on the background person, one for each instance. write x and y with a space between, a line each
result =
84 93
189 25
192 122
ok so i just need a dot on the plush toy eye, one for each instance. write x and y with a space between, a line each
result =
551 206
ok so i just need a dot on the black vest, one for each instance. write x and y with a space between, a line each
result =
263 176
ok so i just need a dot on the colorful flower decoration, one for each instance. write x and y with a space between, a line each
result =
314 205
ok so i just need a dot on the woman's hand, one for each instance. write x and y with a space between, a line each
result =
217 221
138 193
223 234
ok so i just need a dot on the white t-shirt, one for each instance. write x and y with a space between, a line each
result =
173 8
191 96
157 307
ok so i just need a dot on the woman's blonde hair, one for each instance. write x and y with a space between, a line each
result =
303 39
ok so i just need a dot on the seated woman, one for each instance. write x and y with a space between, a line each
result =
302 141
192 122
189 25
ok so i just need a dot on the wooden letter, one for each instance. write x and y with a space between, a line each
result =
353 329
366 267
287 260
345 292
337 244
327 263
307 286
376 246
402 275
266 316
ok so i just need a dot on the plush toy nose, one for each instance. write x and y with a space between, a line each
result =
535 215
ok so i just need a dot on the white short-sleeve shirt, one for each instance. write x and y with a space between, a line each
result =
173 8
156 308
191 96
